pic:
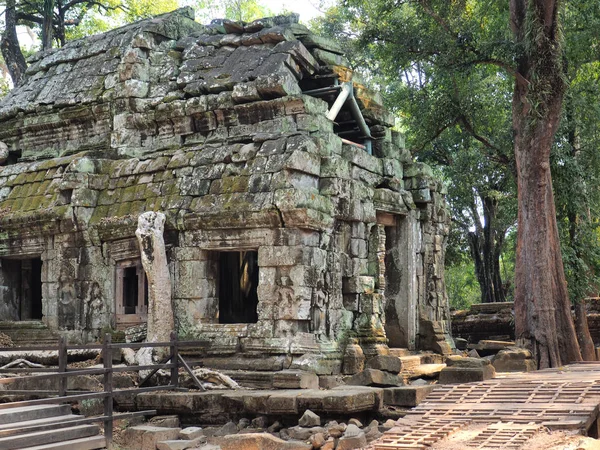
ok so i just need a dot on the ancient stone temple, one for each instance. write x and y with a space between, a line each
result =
295 220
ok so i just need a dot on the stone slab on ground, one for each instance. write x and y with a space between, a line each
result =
179 444
218 408
514 360
145 437
260 441
457 375
191 433
387 363
284 379
374 377
425 371
407 396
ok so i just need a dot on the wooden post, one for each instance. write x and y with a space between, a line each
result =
62 366
107 383
174 360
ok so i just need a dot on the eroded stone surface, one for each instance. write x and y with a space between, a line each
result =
209 125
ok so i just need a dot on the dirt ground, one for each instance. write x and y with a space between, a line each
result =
556 440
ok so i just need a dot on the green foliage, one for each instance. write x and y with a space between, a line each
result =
239 10
447 71
461 285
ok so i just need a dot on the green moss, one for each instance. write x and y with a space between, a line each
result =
234 184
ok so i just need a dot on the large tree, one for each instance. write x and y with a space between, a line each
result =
543 321
436 41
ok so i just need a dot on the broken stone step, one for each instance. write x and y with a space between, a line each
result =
406 396
426 371
25 413
48 437
285 379
11 429
148 436
410 362
87 443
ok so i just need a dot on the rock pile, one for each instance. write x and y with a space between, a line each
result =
309 434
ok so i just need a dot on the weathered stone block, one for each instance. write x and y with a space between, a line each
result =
514 360
373 377
260 441
406 396
455 375
386 363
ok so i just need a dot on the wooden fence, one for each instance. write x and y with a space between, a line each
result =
172 362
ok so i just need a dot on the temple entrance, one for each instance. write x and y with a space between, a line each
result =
401 282
20 289
237 283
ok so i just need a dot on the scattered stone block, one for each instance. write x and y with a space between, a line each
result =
514 359
179 444
355 422
456 375
260 422
459 361
353 438
171 421
329 381
191 433
145 437
461 344
261 441
329 444
228 428
386 363
389 424
407 396
374 377
335 429
309 419
317 440
303 434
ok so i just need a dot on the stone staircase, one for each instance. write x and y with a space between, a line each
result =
47 427
29 333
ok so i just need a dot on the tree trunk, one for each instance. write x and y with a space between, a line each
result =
485 252
154 259
11 51
543 321
47 25
588 350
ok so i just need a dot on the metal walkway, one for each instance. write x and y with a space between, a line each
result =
515 407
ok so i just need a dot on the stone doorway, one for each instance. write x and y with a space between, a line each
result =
400 305
237 287
20 289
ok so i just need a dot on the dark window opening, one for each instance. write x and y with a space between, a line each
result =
130 290
21 293
131 294
238 280
13 157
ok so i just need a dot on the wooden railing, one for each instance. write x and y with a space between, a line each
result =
172 361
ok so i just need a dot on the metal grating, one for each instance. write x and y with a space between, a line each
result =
518 406
419 436
505 435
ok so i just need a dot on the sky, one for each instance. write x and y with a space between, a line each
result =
308 9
